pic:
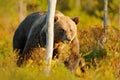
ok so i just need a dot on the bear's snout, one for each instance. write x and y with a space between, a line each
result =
66 39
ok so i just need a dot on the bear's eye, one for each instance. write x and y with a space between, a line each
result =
70 30
62 31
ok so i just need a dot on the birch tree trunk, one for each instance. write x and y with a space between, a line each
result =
105 15
105 21
22 10
119 14
77 3
50 33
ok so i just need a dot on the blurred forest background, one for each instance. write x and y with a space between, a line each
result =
12 11
98 61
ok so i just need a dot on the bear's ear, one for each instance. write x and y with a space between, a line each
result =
76 20
55 18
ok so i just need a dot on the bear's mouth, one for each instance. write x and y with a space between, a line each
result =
67 41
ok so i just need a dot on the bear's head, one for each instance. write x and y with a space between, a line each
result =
65 28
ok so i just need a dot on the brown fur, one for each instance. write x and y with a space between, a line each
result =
31 34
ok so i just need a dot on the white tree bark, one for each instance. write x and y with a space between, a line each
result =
22 10
50 33
119 14
105 21
105 14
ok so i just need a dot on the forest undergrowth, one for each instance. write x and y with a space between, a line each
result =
100 57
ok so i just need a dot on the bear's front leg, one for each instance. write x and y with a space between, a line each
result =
31 47
73 61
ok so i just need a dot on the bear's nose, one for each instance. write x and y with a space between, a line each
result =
68 39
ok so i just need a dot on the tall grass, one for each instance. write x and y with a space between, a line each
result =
99 61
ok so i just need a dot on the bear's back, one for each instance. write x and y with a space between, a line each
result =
26 24
22 32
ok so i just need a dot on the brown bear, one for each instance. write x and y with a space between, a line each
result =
31 34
